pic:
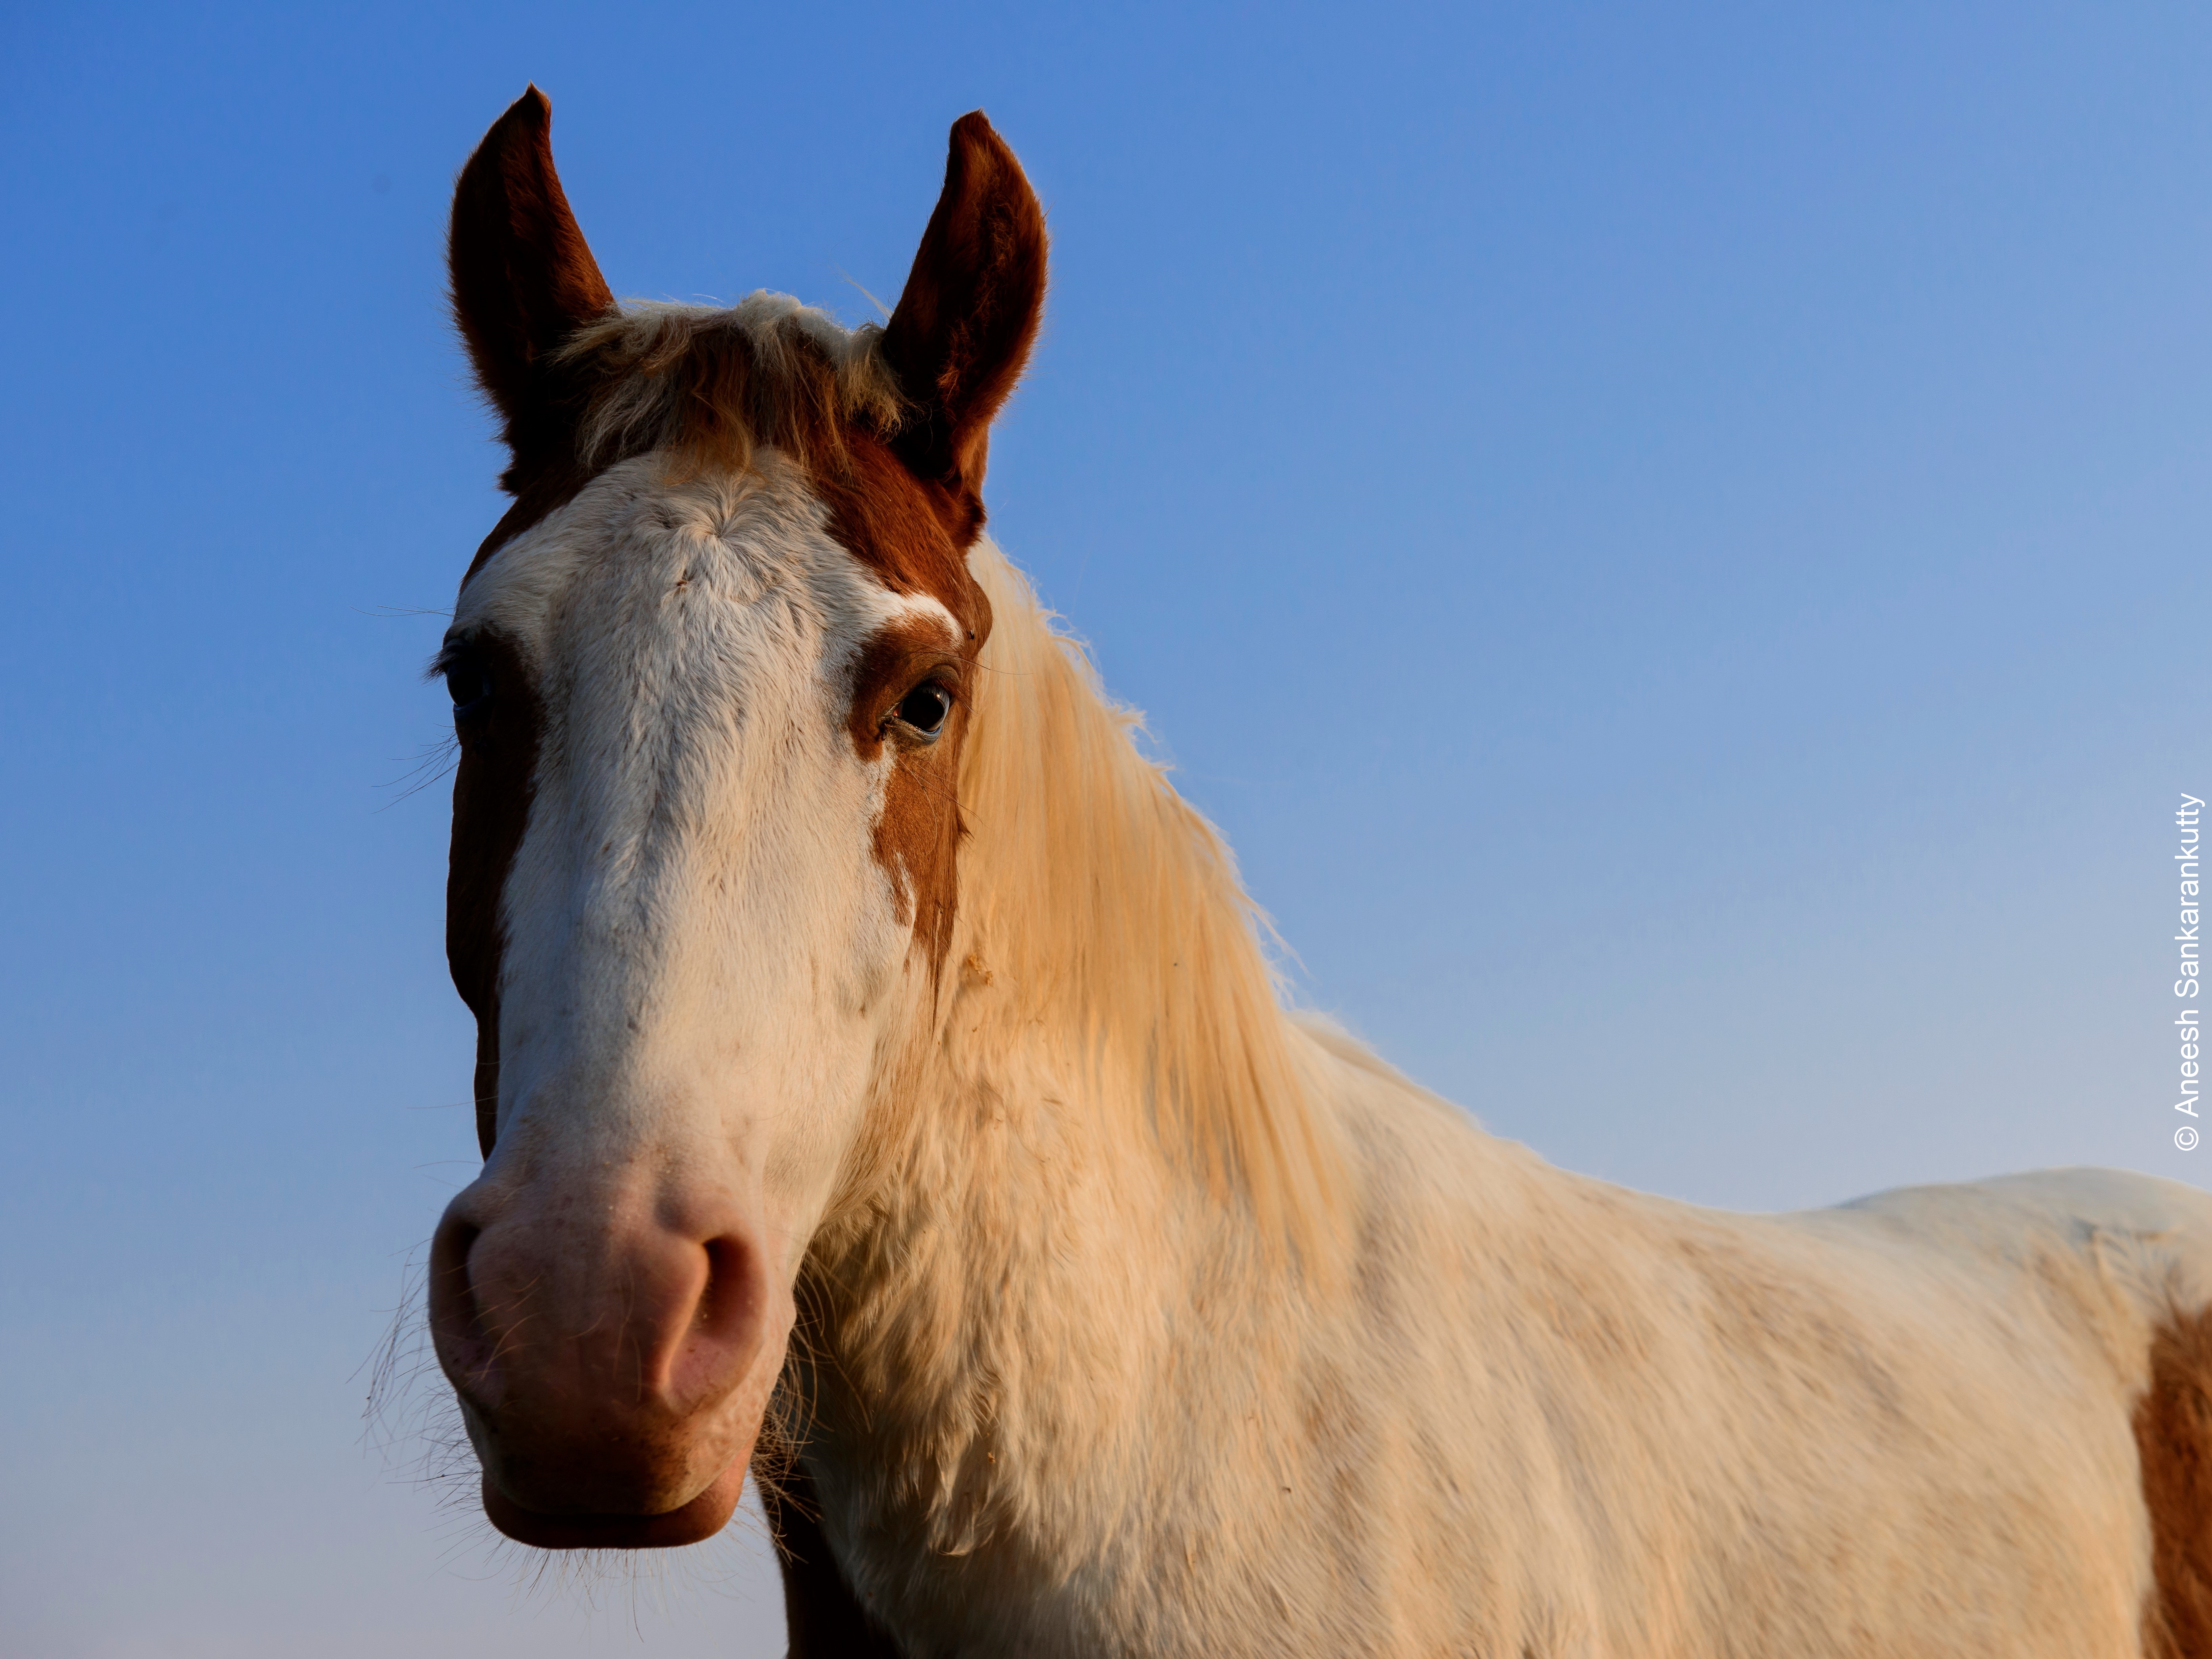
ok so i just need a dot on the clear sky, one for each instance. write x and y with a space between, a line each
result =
1670 537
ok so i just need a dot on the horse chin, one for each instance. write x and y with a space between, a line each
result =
689 1524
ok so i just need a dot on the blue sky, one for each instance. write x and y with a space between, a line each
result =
1670 538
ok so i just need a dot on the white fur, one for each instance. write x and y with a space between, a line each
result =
700 946
1077 1392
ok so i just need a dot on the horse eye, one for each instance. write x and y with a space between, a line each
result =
924 708
469 684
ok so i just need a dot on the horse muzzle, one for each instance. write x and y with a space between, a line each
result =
613 1352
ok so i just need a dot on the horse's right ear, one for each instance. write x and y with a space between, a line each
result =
522 276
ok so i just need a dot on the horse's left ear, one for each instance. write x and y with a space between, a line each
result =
970 311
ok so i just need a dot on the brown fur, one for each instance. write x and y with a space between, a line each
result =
968 314
911 533
491 804
522 280
897 527
2174 1436
822 1619
917 837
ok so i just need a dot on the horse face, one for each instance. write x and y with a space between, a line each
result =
711 704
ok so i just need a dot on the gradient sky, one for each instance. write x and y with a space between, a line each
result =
1671 538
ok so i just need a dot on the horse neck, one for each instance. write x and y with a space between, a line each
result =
1102 1113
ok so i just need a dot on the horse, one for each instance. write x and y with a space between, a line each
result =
886 1094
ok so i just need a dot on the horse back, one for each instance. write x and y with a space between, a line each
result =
2146 1244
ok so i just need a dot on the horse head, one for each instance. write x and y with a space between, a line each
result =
712 677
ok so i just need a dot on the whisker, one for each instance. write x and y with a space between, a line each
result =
392 612
412 1421
430 766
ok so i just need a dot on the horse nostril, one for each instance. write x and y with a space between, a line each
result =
454 1326
716 1330
727 1297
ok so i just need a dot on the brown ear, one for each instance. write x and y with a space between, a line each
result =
970 311
522 276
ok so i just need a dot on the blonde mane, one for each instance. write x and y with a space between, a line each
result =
1114 912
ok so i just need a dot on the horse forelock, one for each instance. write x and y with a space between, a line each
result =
710 383
706 385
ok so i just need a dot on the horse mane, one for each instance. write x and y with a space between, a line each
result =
1115 912
1105 908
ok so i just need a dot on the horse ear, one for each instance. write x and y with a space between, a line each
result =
523 277
968 313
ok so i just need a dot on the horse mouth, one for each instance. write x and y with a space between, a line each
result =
688 1523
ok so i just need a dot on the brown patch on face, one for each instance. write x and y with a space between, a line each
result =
2173 1439
913 535
908 503
917 837
906 531
491 805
